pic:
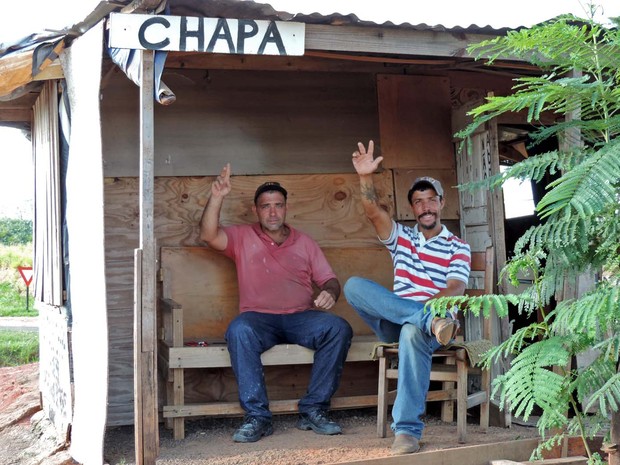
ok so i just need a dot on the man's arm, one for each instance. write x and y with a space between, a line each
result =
454 287
210 230
330 291
365 166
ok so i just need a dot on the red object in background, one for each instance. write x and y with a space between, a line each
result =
26 272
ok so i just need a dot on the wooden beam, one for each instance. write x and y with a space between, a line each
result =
53 71
470 455
147 367
382 40
16 114
276 406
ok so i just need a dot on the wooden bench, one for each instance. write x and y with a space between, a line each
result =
199 298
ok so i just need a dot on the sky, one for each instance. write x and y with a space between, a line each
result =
17 21
16 175
40 15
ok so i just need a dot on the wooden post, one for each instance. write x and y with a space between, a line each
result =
145 369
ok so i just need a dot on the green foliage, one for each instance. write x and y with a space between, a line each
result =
18 347
15 231
580 63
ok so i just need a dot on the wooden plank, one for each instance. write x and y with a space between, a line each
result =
137 359
403 179
415 124
559 461
214 356
389 40
276 406
16 115
147 369
261 122
518 450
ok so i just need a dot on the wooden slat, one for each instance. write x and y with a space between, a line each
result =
216 356
276 406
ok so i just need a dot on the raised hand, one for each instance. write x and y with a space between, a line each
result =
363 159
221 186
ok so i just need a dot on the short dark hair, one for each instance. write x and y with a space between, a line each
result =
267 187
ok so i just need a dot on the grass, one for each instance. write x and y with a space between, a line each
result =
12 287
18 347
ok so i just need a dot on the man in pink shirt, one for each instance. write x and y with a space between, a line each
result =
277 266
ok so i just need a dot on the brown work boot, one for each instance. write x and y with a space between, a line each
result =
405 444
444 329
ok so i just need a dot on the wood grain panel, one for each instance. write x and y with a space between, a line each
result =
204 282
261 122
415 122
403 179
327 207
283 382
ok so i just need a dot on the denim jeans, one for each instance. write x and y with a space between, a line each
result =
393 319
252 333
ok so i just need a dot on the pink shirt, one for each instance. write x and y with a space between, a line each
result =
272 278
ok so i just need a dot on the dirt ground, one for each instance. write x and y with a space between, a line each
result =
26 438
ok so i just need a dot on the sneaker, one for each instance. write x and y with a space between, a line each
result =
319 422
405 444
444 329
252 429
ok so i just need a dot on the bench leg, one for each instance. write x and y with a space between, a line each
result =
485 406
382 398
178 394
447 406
461 400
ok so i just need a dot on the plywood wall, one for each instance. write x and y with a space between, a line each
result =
325 206
266 122
297 128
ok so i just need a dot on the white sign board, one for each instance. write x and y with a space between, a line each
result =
213 35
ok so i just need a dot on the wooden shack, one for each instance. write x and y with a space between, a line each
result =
294 119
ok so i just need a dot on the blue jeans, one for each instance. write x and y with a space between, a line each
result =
393 319
252 333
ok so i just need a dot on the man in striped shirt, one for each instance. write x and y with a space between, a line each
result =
429 262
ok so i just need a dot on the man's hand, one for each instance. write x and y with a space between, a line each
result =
221 186
324 300
363 159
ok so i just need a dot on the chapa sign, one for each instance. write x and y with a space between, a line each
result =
213 35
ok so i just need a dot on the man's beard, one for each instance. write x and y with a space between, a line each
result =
430 226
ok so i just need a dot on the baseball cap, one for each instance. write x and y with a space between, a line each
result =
425 181
269 186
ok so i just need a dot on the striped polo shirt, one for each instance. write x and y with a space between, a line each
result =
423 267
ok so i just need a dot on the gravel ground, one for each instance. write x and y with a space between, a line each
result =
27 438
208 442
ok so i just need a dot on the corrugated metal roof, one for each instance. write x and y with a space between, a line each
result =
246 9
